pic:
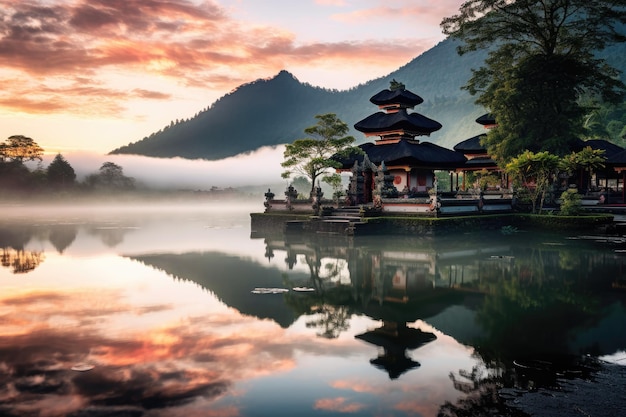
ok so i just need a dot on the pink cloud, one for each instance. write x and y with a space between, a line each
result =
339 3
425 11
190 44
339 404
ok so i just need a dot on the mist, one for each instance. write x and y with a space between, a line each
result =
258 168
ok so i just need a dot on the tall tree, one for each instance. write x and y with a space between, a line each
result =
60 172
19 148
311 156
540 64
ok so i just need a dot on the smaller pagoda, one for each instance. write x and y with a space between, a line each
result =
478 158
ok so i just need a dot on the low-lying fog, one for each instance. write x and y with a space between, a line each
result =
258 168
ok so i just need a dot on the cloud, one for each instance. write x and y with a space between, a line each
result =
339 404
181 366
44 45
338 3
427 13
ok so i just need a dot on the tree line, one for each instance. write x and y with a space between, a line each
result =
59 175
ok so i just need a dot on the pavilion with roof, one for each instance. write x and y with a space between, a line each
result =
478 159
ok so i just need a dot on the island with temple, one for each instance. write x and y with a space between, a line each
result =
396 180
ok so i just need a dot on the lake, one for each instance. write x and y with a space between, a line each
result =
178 310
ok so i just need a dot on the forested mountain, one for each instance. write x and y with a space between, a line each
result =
276 111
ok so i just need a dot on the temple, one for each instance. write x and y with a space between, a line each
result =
399 173
396 163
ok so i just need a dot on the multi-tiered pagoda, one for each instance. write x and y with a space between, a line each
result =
397 163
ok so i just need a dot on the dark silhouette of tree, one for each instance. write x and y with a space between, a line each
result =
62 236
110 176
60 172
541 64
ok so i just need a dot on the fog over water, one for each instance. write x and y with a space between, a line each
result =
261 167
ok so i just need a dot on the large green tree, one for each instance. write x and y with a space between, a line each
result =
541 62
311 156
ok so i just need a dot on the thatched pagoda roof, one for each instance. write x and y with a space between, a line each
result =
413 123
406 152
486 120
609 148
471 145
399 96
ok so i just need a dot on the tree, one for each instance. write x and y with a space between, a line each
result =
334 180
311 156
110 175
586 161
18 148
533 172
607 122
60 172
540 65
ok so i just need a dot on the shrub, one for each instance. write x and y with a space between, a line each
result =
570 203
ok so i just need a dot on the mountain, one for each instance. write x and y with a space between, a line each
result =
275 111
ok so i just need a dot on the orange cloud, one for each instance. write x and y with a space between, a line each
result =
165 365
48 45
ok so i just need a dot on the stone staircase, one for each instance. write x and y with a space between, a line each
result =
340 221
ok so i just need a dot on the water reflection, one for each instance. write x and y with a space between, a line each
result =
156 316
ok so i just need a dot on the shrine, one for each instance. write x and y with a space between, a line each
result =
396 163
397 174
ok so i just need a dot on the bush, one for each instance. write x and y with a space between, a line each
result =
570 203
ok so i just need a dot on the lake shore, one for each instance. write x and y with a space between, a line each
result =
425 226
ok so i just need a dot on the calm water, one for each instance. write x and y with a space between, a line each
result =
153 312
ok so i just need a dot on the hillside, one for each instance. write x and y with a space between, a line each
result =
275 111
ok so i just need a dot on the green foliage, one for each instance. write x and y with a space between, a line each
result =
334 180
533 172
483 179
60 173
570 203
301 183
608 122
311 156
19 148
587 160
542 65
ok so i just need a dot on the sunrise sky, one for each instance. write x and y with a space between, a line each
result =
97 74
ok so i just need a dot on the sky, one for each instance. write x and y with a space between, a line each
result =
93 75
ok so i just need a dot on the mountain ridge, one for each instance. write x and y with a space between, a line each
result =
276 110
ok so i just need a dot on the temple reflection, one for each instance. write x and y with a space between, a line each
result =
395 339
484 291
